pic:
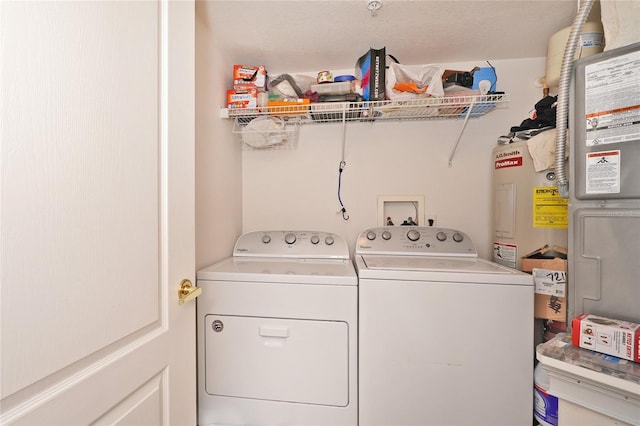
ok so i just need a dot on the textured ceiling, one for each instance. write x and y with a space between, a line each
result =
309 35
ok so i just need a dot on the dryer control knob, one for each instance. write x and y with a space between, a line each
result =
266 239
315 239
457 237
329 240
441 236
290 238
413 235
386 235
371 235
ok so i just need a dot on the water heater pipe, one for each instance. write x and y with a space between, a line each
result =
562 107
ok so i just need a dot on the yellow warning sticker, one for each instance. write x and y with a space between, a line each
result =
550 210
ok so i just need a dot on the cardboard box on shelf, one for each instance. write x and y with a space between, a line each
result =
255 75
606 335
549 269
242 99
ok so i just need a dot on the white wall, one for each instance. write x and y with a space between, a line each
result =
297 189
218 158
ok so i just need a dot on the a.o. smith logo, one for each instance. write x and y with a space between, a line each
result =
513 153
509 162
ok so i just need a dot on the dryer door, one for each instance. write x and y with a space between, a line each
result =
277 359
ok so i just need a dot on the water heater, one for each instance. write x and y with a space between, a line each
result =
528 211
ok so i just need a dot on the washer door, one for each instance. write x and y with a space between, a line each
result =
289 360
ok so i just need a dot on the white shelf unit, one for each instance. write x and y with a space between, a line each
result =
432 108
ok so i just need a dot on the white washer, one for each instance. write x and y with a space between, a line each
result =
445 338
277 332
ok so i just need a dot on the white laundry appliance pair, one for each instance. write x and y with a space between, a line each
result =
428 334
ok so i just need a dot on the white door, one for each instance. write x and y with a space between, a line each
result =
97 223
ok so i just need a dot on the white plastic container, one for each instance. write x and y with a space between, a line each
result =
591 41
545 405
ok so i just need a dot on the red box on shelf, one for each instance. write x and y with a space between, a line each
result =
606 335
244 75
242 99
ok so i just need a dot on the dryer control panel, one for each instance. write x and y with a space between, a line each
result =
292 244
416 241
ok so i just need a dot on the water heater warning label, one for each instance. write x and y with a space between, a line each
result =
550 210
603 172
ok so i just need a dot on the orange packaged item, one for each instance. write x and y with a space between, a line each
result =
409 86
292 106
247 98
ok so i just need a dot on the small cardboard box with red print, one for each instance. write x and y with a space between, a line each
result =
255 75
606 335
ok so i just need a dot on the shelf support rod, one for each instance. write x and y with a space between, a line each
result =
344 131
464 124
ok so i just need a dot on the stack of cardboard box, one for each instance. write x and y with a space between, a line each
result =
248 81
549 269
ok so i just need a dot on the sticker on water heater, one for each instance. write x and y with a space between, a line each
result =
603 172
508 162
550 210
505 254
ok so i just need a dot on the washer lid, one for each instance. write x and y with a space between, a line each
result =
445 268
439 264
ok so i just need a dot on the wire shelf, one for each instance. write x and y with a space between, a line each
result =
447 107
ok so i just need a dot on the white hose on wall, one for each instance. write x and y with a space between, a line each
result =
562 107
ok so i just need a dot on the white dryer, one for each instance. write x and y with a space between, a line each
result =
277 332
446 338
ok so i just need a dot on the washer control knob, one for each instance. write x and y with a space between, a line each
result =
441 236
371 235
290 238
315 239
386 235
266 239
329 240
457 237
413 235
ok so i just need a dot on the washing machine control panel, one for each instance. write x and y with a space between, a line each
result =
415 240
292 244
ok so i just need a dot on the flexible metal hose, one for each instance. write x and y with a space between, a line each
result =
562 107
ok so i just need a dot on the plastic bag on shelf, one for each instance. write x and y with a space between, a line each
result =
263 132
290 86
414 81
